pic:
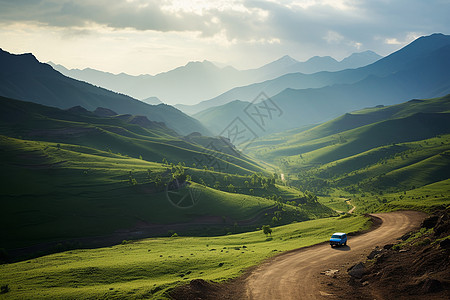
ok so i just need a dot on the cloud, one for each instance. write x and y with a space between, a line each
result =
256 30
332 21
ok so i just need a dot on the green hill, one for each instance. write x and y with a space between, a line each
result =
368 153
36 122
360 130
74 179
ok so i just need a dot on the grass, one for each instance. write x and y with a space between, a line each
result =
426 198
339 204
54 192
150 267
339 130
28 121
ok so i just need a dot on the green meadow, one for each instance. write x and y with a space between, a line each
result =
75 191
151 267
67 177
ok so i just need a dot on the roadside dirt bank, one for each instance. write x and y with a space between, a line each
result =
300 274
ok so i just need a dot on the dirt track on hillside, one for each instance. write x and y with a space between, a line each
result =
297 274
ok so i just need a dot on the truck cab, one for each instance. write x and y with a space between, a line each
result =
338 239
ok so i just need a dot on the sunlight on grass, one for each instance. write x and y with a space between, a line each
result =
150 267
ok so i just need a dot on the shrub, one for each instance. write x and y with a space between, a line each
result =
4 289
397 247
423 242
267 230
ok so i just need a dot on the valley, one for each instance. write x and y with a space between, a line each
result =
106 196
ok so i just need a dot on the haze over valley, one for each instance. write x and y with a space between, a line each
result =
254 131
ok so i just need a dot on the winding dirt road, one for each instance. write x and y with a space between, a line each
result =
296 275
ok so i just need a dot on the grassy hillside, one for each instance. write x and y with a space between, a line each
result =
37 122
367 154
70 176
148 268
333 147
53 193
350 121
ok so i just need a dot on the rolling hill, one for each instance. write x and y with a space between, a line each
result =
73 177
126 134
385 149
23 77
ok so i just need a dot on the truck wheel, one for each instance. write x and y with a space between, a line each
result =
345 244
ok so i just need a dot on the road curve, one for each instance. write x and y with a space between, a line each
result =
296 275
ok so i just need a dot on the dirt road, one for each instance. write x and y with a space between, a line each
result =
296 275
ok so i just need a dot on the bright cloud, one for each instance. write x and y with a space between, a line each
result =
108 34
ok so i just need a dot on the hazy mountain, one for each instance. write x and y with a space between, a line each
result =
273 69
218 117
152 100
383 67
23 77
197 81
187 84
357 60
326 63
419 70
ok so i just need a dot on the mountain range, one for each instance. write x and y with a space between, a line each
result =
198 81
419 70
23 77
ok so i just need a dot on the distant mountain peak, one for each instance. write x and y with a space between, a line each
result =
200 63
287 60
282 62
287 57
324 59
360 58
152 100
364 53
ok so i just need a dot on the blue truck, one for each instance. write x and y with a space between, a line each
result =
338 239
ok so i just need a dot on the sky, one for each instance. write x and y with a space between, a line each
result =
153 36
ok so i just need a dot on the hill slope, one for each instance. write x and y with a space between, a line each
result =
23 77
75 178
394 148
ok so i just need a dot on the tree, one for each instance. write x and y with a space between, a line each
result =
267 230
158 180
179 174
231 188
132 180
149 175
